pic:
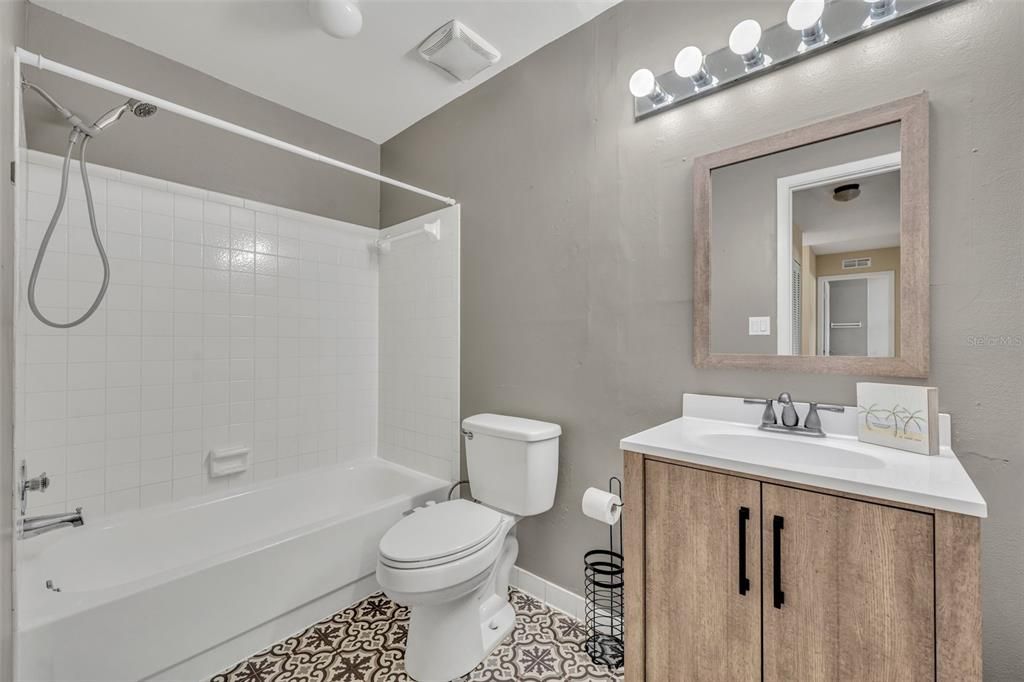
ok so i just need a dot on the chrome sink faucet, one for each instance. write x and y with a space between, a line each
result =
790 418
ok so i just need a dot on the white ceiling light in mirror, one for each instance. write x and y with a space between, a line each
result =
811 27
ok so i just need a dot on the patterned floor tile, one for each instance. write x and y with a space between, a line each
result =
366 643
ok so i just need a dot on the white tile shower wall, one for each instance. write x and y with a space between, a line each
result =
419 347
227 322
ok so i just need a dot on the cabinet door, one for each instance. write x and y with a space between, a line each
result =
851 596
703 610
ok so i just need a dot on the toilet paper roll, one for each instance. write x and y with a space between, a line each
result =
602 506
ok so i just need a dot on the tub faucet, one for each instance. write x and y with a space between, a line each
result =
37 525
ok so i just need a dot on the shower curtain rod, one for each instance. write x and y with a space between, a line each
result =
23 56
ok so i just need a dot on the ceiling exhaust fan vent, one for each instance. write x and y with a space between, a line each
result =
458 50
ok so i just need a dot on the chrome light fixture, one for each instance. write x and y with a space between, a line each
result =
805 16
879 10
744 41
690 64
643 84
754 51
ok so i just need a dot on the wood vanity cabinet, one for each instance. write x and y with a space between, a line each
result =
731 577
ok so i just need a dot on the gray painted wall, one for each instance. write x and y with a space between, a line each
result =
12 32
174 148
576 246
743 239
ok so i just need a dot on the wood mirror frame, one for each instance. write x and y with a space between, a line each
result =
913 352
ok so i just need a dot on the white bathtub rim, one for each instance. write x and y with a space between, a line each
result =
46 613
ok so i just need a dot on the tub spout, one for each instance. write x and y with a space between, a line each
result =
37 525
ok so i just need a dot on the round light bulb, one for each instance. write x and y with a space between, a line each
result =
338 18
804 14
689 61
642 83
745 37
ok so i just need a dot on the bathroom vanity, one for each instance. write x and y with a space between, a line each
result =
752 555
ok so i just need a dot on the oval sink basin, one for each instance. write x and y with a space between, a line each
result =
786 451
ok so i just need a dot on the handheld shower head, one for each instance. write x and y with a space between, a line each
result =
140 109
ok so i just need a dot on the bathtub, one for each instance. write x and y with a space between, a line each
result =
182 591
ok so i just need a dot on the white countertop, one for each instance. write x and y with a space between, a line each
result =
938 482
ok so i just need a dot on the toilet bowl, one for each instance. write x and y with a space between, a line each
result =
453 576
449 563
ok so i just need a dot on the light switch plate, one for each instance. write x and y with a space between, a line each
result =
760 326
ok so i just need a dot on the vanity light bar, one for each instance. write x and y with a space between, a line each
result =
811 27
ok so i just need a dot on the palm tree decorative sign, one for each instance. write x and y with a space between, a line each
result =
897 416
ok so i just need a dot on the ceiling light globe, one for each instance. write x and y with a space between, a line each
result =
804 14
338 18
689 61
642 83
745 37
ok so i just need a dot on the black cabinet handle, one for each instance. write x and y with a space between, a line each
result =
744 580
778 596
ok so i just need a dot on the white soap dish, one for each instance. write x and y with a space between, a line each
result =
228 461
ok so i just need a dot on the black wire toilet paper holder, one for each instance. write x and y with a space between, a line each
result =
603 596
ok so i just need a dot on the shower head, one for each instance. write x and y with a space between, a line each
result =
140 109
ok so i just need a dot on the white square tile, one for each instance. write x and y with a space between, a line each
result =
126 220
190 208
157 226
156 494
122 501
216 213
156 201
212 333
155 470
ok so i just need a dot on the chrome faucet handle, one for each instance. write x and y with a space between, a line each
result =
768 416
40 483
813 421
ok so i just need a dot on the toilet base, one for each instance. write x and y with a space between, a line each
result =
448 639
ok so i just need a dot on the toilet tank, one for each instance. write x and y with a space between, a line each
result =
512 462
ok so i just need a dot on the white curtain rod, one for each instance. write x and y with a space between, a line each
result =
23 56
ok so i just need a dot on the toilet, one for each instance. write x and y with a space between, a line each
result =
450 562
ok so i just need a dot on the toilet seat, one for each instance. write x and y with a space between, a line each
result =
440 534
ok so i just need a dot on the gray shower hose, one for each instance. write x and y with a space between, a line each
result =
73 138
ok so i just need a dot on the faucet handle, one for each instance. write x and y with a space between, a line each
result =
768 416
813 421
40 482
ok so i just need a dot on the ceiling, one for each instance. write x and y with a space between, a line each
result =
374 85
871 221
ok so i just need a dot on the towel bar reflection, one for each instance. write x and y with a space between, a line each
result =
433 230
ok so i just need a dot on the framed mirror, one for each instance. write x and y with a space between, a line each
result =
811 247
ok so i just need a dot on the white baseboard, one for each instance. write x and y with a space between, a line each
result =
551 594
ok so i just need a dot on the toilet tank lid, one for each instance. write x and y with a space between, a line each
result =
513 428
